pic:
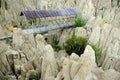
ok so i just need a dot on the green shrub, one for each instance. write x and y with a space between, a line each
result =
56 48
23 26
31 21
97 52
119 6
79 22
75 44
8 39
4 78
15 25
34 77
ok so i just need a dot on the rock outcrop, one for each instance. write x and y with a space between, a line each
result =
30 57
87 8
37 61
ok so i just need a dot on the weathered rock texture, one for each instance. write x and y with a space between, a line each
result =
37 59
10 10
106 38
30 55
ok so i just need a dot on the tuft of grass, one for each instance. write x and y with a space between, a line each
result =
79 22
97 52
75 44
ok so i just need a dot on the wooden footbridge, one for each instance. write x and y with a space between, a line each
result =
57 18
54 19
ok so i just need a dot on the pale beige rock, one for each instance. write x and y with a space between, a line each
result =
106 34
61 53
111 48
87 63
88 55
40 42
52 37
20 78
49 60
80 32
98 22
12 78
29 46
88 9
17 37
74 57
111 75
59 76
2 32
48 75
74 69
95 36
28 55
66 69
37 62
4 63
31 73
13 58
89 24
24 42
99 73
65 35
69 3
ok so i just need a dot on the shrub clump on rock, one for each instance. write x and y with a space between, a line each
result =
76 45
79 22
97 52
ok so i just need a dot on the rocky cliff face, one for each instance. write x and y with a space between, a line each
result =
31 57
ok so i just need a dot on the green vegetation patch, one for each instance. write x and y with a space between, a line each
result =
4 78
97 51
79 22
8 39
34 77
75 44
56 48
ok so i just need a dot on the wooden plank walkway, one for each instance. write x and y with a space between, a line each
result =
48 28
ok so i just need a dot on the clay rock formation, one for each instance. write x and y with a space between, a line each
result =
30 57
4 64
49 64
106 9
107 39
39 61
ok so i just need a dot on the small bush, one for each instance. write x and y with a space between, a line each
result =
56 48
75 44
34 77
31 21
4 78
79 22
15 25
97 52
8 39
23 26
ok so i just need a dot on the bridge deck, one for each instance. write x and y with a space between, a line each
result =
48 28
